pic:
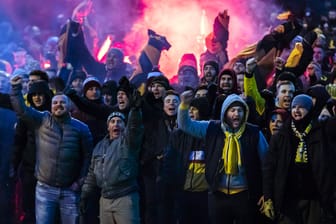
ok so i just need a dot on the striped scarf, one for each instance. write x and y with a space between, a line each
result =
301 151
231 151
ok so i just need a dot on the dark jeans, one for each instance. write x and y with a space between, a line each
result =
300 212
229 209
28 181
6 202
152 202
91 215
193 207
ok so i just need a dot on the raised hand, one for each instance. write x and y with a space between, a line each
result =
186 97
16 80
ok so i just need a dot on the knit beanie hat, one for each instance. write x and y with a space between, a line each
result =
214 64
303 100
202 105
78 74
90 82
161 80
109 88
188 61
125 86
116 114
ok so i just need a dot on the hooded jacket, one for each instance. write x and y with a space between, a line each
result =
253 148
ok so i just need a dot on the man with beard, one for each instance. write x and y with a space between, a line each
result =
210 72
234 151
63 147
227 84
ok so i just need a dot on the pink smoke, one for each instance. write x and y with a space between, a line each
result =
180 22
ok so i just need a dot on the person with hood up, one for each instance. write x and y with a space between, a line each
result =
234 151
227 84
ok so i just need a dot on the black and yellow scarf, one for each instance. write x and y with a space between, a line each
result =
301 151
231 151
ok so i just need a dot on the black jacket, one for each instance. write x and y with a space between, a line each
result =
280 158
250 157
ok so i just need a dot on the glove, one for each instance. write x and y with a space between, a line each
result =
250 66
267 94
16 80
279 63
83 203
267 208
135 99
70 92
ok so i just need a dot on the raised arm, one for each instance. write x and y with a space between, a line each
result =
32 117
135 128
195 128
99 111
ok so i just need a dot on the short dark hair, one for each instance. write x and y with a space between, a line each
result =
42 74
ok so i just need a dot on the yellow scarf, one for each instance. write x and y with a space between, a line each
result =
231 151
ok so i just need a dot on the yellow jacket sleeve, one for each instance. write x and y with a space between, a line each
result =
251 89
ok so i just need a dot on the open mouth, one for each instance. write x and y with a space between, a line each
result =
116 131
275 129
156 94
297 116
235 121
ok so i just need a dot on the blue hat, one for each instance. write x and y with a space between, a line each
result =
304 101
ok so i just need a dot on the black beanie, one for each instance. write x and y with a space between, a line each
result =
125 86
161 80
202 105
78 74
214 64
109 87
